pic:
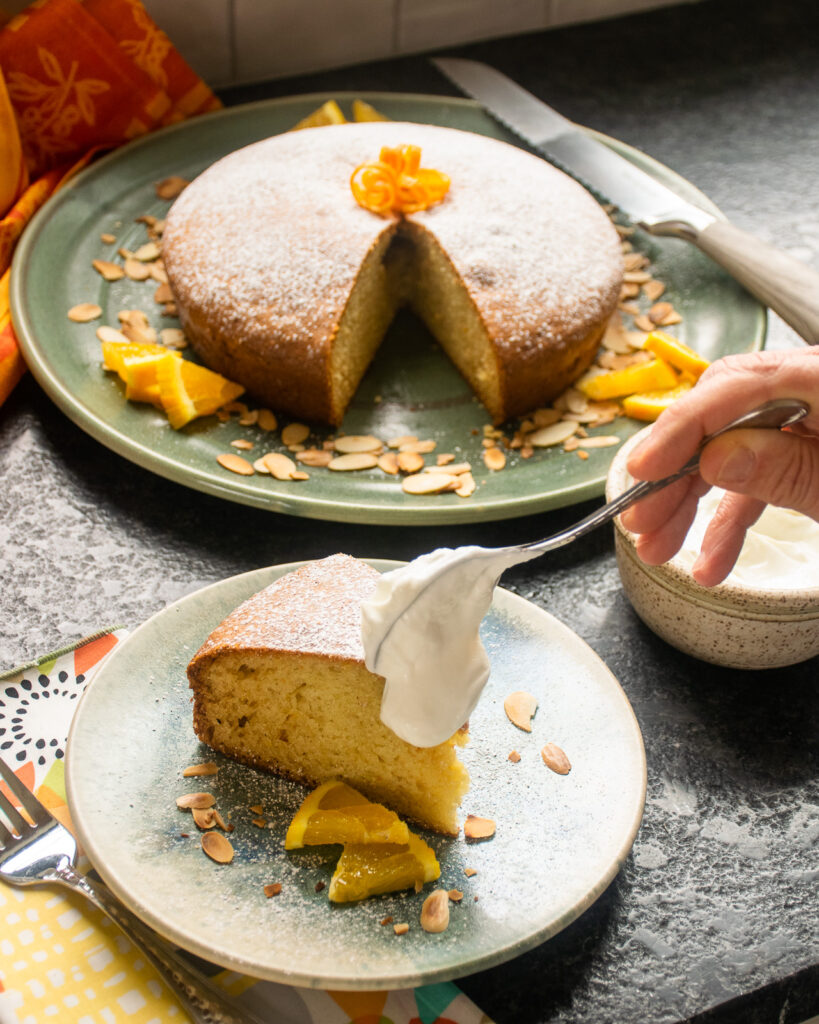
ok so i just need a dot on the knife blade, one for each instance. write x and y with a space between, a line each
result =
785 284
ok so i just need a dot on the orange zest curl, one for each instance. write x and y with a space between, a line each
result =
396 182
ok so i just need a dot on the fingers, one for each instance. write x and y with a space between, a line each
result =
730 387
658 545
724 537
653 512
771 466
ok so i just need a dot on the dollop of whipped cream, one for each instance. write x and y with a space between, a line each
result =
420 631
781 549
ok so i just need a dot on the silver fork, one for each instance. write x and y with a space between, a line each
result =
43 852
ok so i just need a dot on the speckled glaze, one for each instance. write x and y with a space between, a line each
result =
560 840
731 624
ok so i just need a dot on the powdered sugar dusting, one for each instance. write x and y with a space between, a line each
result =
314 610
270 239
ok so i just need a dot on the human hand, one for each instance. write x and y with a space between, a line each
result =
755 467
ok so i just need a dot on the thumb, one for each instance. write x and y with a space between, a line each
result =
776 467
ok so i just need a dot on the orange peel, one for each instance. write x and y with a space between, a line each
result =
396 182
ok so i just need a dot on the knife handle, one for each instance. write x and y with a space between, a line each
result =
789 286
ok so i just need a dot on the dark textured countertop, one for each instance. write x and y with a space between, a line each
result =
715 915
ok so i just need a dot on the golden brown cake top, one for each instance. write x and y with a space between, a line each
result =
315 609
271 239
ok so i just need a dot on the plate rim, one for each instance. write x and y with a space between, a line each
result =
365 510
409 979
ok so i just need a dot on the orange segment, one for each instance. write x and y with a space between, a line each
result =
650 404
188 390
139 374
654 376
327 113
363 111
337 813
676 352
115 352
369 870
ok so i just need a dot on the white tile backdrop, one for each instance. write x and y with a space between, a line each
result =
238 41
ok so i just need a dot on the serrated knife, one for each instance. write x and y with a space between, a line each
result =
786 285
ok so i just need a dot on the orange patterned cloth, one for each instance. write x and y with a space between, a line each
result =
76 77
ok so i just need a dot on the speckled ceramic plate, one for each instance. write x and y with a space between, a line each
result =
559 842
410 388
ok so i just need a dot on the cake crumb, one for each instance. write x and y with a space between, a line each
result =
387 920
256 808
273 889
455 895
320 886
401 929
514 757
470 872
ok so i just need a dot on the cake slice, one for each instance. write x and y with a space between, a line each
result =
281 684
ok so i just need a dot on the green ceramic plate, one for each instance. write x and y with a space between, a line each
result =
411 388
559 842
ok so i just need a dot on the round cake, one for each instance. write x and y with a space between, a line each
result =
286 285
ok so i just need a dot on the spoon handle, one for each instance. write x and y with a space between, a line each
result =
781 412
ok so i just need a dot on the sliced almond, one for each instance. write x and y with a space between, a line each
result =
557 433
242 443
84 312
259 465
429 483
352 461
273 889
435 912
466 485
295 433
653 290
173 337
444 459
555 758
615 338
470 872
454 469
494 459
298 474
159 274
169 188
236 464
636 276
314 457
108 238
545 417
205 768
260 822
220 821
204 817
410 462
279 465
396 442
148 252
644 323
357 443
266 420
217 847
111 334
388 463
135 270
520 708
163 294
600 441
190 800
110 271
659 311
422 447
478 828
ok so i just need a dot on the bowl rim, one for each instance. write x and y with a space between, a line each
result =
780 602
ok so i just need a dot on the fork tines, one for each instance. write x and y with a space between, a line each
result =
29 802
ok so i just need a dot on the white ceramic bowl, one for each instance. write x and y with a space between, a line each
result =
732 624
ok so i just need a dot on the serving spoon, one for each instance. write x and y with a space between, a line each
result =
420 629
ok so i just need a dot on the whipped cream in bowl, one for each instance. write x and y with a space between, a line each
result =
765 614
